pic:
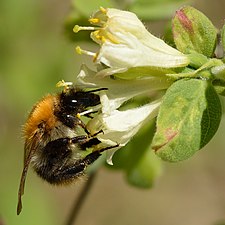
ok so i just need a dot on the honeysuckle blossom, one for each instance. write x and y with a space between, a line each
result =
120 91
119 126
126 43
139 63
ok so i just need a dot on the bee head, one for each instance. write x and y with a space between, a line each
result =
76 101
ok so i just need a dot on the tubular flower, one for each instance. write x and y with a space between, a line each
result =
138 62
113 125
126 43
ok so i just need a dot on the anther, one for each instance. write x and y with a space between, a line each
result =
81 51
95 57
103 10
78 115
78 28
63 83
94 20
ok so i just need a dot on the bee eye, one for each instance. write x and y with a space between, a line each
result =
69 103
72 102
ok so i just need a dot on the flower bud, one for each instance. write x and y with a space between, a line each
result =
193 31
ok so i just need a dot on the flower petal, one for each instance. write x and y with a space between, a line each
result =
125 42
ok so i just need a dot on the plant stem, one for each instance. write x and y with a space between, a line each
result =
74 213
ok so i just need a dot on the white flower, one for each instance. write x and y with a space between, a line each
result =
120 91
117 126
126 43
139 62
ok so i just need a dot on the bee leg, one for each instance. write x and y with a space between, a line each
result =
89 143
58 165
98 132
72 121
56 156
69 171
83 125
63 143
108 148
96 90
61 167
79 167
88 115
74 170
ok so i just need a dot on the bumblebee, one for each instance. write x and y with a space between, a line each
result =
52 145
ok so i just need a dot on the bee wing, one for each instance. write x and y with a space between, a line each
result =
29 151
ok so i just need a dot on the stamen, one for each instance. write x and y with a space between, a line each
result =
100 37
92 110
110 37
78 115
103 10
103 35
81 51
78 28
103 39
85 112
94 20
63 83
95 57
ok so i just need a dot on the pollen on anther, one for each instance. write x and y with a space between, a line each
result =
76 29
103 39
95 57
112 38
103 10
78 115
81 51
63 83
78 50
94 20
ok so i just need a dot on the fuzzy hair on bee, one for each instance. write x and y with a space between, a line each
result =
52 144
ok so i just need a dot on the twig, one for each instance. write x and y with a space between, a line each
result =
80 201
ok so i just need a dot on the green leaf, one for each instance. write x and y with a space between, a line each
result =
223 37
218 71
193 31
219 86
188 118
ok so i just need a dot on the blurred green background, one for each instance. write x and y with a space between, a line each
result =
35 53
